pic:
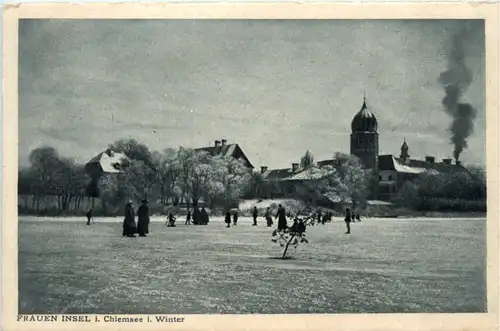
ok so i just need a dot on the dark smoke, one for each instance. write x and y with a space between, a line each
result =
456 80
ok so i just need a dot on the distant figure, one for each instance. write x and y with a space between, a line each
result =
255 214
170 220
358 218
348 220
269 218
235 218
325 218
129 227
188 218
143 219
281 216
319 216
89 217
228 219
196 216
204 216
301 227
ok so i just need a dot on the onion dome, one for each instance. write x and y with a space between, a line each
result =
364 120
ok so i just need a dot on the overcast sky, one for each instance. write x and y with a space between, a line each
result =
277 88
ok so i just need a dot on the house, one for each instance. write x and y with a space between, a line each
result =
106 162
223 149
395 171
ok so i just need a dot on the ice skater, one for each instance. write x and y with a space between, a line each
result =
348 220
255 214
89 217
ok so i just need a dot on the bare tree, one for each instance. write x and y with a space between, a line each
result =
307 160
295 234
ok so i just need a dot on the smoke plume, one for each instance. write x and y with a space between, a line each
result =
456 80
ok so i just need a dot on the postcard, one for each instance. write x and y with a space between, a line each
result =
250 166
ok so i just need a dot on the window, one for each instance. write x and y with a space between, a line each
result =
390 177
380 178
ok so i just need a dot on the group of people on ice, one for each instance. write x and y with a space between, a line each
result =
199 217
255 214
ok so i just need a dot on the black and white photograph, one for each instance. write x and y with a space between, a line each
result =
252 166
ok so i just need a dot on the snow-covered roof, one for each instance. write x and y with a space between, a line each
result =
109 161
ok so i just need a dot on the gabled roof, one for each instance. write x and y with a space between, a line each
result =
233 150
109 161
390 162
289 175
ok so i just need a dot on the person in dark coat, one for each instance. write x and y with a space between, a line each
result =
89 217
269 218
325 219
319 217
204 216
171 220
228 219
196 216
143 219
255 214
348 220
235 218
281 216
188 218
301 227
358 218
129 227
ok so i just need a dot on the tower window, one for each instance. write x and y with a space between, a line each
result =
380 177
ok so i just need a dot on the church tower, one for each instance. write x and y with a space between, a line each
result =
404 156
364 141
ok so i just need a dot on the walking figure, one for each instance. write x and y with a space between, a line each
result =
358 218
188 218
254 214
269 219
143 219
228 219
235 218
129 227
281 216
348 220
89 217
319 217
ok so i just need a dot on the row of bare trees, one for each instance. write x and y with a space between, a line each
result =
52 176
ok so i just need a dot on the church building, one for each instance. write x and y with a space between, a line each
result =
390 171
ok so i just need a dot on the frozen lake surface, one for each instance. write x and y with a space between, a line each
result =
385 265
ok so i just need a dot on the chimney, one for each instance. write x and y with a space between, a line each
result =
430 159
263 169
109 152
295 166
447 161
224 141
217 143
